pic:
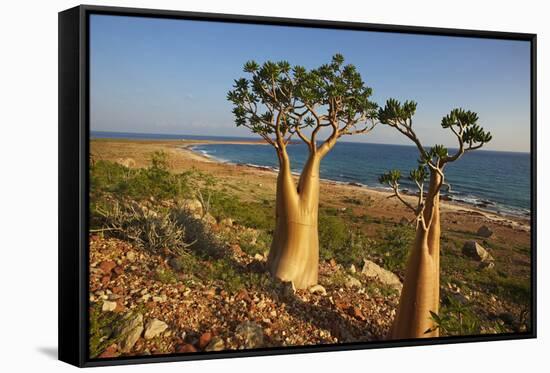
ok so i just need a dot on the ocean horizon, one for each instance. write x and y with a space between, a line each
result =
497 181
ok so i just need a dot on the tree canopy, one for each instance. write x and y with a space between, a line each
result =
279 101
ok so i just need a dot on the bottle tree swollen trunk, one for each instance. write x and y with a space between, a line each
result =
420 293
280 102
294 253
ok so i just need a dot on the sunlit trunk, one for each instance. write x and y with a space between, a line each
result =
418 296
294 254
434 235
420 293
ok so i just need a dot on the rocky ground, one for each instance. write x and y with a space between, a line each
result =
157 316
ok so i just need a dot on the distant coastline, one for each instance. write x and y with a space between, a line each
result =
201 147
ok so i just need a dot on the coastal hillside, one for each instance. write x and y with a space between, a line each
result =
178 246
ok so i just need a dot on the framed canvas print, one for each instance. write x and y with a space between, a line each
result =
232 186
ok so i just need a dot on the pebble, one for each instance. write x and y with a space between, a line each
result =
108 306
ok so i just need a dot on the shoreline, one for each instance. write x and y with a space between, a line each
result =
446 202
515 221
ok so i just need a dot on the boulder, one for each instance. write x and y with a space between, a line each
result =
130 331
251 333
475 251
373 270
485 231
153 328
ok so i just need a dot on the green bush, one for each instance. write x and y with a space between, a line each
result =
250 214
154 181
333 236
102 326
456 318
392 250
338 242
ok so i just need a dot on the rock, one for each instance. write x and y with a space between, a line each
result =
209 219
126 162
130 331
373 270
160 299
107 266
404 221
352 268
109 352
352 282
105 280
216 344
108 306
251 333
153 328
487 265
228 222
357 313
185 348
475 251
484 231
205 339
243 295
131 256
192 205
318 289
259 257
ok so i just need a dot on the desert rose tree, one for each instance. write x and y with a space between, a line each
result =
281 103
419 300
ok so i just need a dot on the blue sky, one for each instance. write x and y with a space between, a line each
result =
171 76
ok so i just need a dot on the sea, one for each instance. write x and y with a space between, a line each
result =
491 180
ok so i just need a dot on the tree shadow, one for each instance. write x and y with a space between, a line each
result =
322 316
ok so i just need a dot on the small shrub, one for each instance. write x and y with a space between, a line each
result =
166 276
143 227
338 242
205 244
249 214
102 326
456 318
333 236
392 250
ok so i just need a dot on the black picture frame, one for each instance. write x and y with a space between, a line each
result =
74 181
